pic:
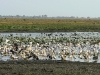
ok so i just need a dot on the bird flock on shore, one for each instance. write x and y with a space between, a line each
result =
51 46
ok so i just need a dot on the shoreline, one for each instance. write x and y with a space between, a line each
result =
49 67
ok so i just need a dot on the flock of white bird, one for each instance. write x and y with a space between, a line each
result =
16 49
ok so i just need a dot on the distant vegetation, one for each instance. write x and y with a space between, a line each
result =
48 25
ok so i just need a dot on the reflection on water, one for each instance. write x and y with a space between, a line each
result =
72 46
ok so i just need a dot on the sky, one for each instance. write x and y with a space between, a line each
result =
51 8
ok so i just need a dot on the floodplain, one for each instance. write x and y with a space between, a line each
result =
76 46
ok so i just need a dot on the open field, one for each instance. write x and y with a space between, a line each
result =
48 68
48 25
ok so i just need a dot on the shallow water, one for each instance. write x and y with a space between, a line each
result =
80 36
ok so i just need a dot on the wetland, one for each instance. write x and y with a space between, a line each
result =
49 46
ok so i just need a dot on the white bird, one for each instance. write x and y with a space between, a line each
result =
63 57
14 57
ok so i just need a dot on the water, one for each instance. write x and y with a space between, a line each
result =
55 39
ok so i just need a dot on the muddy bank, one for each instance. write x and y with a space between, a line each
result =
48 68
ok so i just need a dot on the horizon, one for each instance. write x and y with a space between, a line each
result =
41 16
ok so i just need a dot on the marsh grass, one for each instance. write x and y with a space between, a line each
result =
48 25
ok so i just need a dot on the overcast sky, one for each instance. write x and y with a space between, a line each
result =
80 8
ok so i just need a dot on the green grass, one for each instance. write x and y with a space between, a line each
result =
48 25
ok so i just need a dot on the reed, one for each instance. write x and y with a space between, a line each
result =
48 25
